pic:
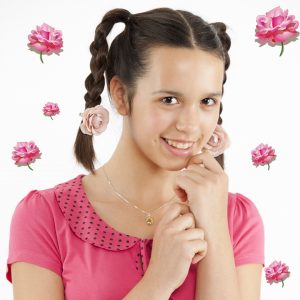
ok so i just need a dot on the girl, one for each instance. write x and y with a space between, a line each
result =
157 220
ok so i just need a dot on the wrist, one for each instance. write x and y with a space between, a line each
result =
155 287
220 224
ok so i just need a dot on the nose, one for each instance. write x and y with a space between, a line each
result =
189 118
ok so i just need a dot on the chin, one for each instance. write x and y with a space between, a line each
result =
175 166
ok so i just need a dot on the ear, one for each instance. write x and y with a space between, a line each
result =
118 93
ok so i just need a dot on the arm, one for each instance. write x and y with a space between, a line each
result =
148 288
31 282
216 273
249 277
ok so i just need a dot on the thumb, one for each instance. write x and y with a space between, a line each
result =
196 159
197 257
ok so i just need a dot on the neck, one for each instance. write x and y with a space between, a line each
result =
137 179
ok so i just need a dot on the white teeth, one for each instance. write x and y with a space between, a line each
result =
179 145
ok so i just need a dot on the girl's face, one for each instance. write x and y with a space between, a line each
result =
179 98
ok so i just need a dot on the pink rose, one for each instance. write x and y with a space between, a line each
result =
94 120
25 153
50 109
218 142
45 39
276 27
277 272
263 154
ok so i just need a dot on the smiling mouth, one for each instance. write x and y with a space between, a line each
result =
180 141
191 144
177 151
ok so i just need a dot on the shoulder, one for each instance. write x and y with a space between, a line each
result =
33 204
42 201
244 218
239 204
242 207
246 229
36 231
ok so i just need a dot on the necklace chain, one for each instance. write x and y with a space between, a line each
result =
149 215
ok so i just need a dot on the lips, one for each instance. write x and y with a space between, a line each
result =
179 141
176 151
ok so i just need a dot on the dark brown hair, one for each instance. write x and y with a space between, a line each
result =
128 56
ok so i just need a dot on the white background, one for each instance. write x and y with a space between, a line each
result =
261 105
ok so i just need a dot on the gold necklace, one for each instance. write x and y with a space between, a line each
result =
149 217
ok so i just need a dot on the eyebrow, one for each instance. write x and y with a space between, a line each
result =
180 94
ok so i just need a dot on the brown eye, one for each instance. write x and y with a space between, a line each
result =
214 101
170 97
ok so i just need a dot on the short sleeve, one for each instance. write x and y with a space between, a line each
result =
248 232
32 235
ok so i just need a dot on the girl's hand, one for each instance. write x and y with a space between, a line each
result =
204 186
176 244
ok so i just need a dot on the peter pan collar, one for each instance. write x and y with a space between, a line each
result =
84 221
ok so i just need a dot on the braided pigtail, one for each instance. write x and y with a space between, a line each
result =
95 82
220 29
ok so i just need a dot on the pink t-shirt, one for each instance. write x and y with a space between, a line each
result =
58 229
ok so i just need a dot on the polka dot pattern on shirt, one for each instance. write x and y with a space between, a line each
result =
84 221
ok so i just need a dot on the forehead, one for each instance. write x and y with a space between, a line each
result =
184 69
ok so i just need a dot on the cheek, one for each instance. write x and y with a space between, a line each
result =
158 119
161 123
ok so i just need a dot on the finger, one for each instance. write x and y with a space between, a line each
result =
186 179
208 161
188 174
183 222
198 256
196 159
195 174
181 194
193 234
199 169
198 248
183 183
173 212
